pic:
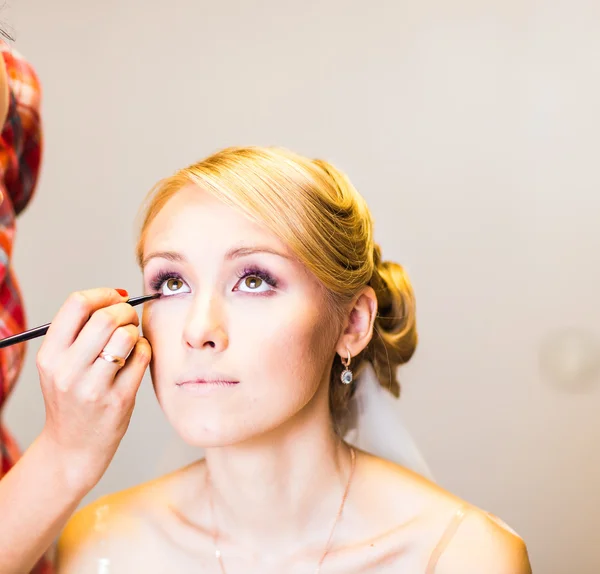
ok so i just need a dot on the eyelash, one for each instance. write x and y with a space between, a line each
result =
250 271
253 271
157 282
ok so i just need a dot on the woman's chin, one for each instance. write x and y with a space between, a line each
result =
209 431
211 424
216 432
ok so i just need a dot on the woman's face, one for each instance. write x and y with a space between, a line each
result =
241 338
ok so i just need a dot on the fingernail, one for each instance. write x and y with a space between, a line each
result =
122 292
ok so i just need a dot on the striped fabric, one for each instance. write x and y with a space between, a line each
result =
20 152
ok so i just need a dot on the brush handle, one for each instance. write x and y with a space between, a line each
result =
43 329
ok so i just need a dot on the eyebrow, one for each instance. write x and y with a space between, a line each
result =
234 253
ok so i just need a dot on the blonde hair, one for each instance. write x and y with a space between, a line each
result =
317 212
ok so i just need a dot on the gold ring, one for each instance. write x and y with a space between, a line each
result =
120 361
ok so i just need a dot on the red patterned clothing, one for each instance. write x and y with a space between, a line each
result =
20 153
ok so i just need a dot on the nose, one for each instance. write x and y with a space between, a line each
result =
205 326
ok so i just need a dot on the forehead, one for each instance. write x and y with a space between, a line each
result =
193 219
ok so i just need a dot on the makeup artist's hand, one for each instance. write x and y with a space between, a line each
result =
89 400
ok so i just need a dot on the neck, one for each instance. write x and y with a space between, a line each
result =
279 490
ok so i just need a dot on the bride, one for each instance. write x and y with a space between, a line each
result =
275 345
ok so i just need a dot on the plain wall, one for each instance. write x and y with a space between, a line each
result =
472 130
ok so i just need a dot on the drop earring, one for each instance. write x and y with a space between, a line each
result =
347 376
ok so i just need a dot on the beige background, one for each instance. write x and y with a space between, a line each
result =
472 130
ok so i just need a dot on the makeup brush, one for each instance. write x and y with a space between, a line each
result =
43 329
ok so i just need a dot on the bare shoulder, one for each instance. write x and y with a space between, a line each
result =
80 543
482 543
106 531
449 535
97 533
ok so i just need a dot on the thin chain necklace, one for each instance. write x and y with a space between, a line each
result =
327 545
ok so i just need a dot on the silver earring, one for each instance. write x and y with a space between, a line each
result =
347 375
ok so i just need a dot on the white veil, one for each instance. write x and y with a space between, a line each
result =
377 427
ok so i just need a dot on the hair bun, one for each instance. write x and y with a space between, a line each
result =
395 337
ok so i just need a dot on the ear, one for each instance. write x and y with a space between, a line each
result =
358 325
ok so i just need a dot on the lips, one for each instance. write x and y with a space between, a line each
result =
212 380
206 382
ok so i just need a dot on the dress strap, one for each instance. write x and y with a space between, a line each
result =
446 537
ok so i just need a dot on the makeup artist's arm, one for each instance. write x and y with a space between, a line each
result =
36 500
89 403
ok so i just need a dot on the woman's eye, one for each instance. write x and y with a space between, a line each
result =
171 286
253 284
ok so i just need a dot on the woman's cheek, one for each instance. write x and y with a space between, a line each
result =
148 321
